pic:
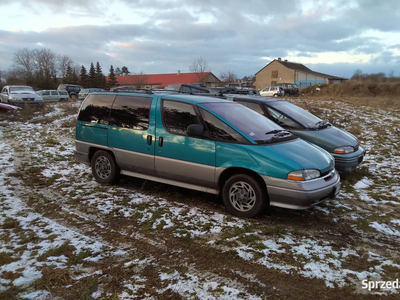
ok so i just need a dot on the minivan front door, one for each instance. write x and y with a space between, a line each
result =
178 156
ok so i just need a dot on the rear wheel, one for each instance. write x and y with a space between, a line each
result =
243 196
104 167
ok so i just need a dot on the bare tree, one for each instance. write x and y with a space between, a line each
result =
63 61
228 76
24 61
199 66
140 80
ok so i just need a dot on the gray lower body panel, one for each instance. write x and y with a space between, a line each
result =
302 194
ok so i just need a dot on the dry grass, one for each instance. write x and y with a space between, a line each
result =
365 93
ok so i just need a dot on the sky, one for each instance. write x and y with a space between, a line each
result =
335 37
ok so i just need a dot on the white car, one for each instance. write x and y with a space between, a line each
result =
20 94
53 95
272 91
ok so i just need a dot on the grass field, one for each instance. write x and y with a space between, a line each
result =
64 236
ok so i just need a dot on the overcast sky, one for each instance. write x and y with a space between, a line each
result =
153 36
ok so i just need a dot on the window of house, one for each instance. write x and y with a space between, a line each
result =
273 82
274 74
177 116
96 109
131 112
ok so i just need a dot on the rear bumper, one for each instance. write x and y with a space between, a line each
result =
345 163
302 194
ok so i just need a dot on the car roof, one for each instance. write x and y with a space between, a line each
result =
253 98
194 99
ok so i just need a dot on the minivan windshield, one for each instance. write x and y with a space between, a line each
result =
297 113
249 122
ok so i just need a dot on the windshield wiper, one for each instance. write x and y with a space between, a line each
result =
321 124
277 134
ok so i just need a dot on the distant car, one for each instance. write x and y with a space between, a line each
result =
272 91
20 94
342 145
5 108
72 89
53 95
187 88
123 89
217 91
84 92
247 91
289 88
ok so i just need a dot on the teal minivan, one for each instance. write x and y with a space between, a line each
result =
206 144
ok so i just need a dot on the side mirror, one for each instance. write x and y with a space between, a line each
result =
195 130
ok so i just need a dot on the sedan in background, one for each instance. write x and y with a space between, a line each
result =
272 91
20 94
84 92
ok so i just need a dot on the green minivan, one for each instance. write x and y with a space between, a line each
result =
206 144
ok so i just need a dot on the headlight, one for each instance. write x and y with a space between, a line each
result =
343 150
303 175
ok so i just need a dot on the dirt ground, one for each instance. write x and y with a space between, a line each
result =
64 236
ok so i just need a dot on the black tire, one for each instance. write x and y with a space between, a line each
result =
252 196
104 167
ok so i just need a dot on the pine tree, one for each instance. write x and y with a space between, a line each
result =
125 71
112 80
83 77
118 71
68 75
92 77
99 77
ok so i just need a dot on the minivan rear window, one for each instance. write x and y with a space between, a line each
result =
96 109
131 112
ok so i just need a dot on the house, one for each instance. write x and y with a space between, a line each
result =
283 71
162 80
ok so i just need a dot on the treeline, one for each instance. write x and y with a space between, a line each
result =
44 69
375 77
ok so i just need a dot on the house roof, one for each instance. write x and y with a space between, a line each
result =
301 68
162 79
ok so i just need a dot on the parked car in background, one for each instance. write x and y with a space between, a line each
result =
84 92
206 144
20 94
272 91
7 108
217 91
53 95
247 91
187 88
72 89
122 89
289 88
342 145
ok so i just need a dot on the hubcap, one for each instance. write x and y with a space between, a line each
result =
242 196
103 167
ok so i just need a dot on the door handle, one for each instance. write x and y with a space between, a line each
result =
160 141
149 139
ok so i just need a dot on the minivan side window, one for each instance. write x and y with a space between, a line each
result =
96 109
219 130
131 112
177 116
282 120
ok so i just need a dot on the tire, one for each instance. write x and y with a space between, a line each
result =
243 196
104 167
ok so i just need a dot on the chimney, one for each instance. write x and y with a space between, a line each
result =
285 60
279 58
178 72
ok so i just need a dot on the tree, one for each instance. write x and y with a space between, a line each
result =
68 75
92 77
99 77
125 71
118 71
228 76
358 74
112 80
83 77
63 61
140 80
199 66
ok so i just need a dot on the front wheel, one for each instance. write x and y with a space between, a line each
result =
104 167
243 196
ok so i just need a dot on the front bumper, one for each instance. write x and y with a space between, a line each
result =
302 194
345 163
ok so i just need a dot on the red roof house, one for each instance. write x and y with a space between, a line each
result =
162 80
